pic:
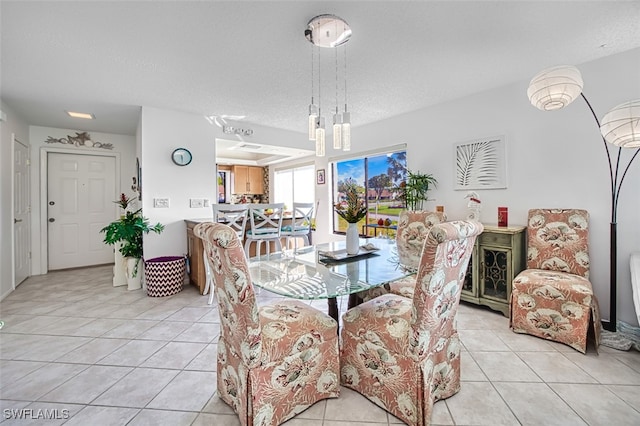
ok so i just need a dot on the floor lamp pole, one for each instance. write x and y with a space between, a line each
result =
613 229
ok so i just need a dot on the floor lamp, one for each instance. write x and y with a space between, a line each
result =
557 87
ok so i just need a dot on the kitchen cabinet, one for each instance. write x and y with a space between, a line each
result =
247 180
498 256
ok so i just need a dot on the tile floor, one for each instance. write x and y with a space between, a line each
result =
107 356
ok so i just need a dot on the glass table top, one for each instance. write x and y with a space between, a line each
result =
305 274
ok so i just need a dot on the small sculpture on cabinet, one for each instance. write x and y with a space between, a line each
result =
474 206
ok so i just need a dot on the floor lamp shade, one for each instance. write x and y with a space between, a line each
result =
621 125
555 88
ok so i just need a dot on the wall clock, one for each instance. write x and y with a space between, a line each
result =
181 156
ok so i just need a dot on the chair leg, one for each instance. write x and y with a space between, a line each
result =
247 245
210 301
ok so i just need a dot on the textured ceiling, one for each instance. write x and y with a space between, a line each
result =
251 58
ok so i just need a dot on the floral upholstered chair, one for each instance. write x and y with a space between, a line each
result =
276 360
553 297
413 228
404 354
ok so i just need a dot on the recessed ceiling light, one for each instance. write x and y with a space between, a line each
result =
85 115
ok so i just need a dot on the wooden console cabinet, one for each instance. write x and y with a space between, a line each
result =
498 256
195 249
247 180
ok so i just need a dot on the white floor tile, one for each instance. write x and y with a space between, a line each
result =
533 402
128 392
597 405
180 395
479 403
163 417
103 416
86 386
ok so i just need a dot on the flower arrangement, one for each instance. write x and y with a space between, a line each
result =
354 208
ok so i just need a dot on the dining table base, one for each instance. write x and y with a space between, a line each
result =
332 302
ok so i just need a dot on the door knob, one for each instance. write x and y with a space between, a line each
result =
17 220
51 219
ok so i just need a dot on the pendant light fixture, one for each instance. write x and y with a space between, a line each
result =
346 116
327 31
320 132
337 118
313 108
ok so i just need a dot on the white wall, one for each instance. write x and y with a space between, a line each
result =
13 125
162 131
122 144
554 159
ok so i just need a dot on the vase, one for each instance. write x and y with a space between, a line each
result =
353 239
119 267
134 273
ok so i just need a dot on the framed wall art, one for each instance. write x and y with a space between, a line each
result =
320 177
480 164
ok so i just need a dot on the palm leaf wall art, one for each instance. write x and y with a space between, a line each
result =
480 164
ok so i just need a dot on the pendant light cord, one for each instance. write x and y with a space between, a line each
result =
345 78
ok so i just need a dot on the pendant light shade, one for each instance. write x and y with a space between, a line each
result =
313 121
555 88
621 125
346 131
337 131
320 135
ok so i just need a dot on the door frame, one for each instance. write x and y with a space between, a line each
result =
14 139
44 174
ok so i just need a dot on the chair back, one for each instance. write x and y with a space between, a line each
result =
240 327
233 215
301 218
439 280
558 240
413 228
265 220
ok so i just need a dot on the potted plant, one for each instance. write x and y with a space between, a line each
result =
127 233
353 209
413 190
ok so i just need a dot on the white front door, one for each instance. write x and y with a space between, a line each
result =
80 194
21 212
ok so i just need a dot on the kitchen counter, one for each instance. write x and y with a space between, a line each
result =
195 249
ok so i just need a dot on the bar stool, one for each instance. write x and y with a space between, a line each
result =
265 226
300 224
234 216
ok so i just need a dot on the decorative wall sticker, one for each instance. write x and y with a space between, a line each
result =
80 139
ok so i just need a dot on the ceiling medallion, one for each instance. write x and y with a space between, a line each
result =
327 31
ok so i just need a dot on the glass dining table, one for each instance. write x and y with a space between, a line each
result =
325 271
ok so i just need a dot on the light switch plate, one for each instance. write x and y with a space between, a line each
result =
196 203
161 203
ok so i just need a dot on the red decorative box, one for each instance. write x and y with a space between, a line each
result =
503 216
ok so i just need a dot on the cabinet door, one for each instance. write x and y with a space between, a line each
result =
255 178
469 286
495 273
196 262
240 179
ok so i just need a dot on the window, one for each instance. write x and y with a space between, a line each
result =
296 184
378 177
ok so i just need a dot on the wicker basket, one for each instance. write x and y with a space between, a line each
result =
164 275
